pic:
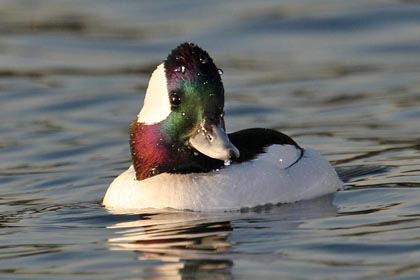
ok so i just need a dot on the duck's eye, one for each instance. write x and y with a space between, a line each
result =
175 99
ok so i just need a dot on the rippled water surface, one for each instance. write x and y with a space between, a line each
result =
342 77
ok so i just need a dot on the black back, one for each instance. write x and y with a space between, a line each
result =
253 141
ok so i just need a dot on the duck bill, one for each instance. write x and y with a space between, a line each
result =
212 140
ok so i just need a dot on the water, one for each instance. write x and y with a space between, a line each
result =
341 77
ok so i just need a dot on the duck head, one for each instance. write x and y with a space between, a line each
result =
180 128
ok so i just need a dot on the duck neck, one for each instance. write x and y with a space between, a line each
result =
154 152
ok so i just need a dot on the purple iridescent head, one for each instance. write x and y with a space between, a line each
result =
184 104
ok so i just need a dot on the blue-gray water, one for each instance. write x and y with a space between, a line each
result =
342 77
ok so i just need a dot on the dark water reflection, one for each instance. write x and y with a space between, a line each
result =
192 244
341 77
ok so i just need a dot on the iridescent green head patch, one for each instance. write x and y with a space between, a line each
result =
195 89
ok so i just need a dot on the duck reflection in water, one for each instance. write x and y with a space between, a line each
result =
180 244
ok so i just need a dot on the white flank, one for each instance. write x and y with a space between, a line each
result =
270 178
156 105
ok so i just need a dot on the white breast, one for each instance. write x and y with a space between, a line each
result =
271 178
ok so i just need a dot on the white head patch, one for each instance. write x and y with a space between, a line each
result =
156 105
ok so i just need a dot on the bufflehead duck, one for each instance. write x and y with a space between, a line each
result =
183 158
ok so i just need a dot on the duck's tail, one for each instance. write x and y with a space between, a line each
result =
349 174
